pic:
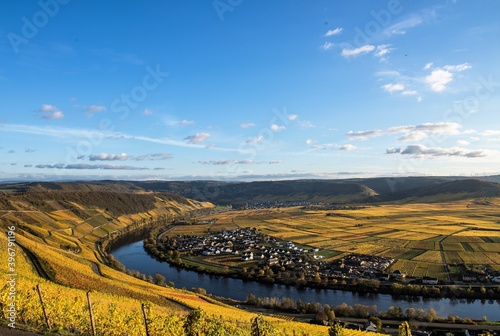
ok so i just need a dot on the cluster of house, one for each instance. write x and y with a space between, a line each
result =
224 242
249 245
362 266
488 276
271 204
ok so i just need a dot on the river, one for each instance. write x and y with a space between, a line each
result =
130 252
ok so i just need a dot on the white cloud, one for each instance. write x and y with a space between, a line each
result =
276 128
401 27
109 157
347 147
427 66
327 46
458 67
309 141
420 150
393 150
198 138
255 140
76 133
147 111
357 51
159 156
225 162
186 122
410 132
306 124
364 135
463 142
323 146
101 166
247 125
382 50
409 92
440 78
91 109
48 111
335 31
414 136
292 117
393 87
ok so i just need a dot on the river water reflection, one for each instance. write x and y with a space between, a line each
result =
132 254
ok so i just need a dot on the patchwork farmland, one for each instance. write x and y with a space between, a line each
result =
422 238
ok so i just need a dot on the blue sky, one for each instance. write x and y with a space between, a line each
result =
248 90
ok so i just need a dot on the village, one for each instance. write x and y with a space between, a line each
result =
250 245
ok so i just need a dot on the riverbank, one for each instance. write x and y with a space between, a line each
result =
134 257
390 325
277 274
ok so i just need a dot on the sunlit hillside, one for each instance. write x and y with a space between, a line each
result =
55 249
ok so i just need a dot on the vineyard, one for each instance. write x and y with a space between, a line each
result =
417 236
60 280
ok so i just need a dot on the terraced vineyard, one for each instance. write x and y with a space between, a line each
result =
55 249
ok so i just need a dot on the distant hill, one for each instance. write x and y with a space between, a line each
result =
368 190
452 190
115 198
136 196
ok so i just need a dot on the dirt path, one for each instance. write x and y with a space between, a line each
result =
7 331
34 262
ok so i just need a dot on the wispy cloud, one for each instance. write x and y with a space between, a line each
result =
392 87
382 51
420 150
198 138
186 122
102 166
428 66
410 132
109 157
56 166
72 133
255 140
160 156
401 27
347 147
29 150
147 112
48 111
357 51
409 93
327 46
276 127
247 125
312 144
91 109
225 162
335 31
